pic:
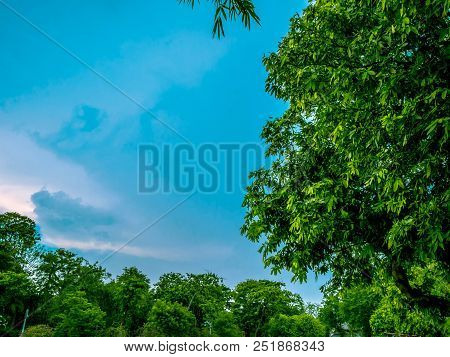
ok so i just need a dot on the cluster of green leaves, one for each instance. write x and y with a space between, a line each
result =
72 314
296 325
380 309
134 299
18 252
256 301
204 294
230 10
359 183
169 319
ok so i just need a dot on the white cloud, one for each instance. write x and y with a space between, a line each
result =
168 254
101 246
16 198
25 168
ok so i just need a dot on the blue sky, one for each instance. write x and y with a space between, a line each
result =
69 140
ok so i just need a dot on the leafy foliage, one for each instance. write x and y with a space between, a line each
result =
73 315
381 309
256 301
169 319
61 269
224 325
204 295
230 10
134 298
331 317
16 293
38 331
18 241
303 325
359 182
394 317
357 306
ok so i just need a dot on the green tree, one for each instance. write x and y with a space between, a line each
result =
230 10
330 315
111 303
204 295
17 293
169 320
356 308
359 181
224 325
303 325
256 301
18 242
134 299
73 315
62 269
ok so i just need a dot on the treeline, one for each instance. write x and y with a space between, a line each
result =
68 296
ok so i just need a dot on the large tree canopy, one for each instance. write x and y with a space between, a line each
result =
360 177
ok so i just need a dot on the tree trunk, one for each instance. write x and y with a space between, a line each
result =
417 296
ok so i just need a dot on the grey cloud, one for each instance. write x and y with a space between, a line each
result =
58 213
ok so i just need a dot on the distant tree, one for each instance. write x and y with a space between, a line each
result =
204 295
224 325
73 315
134 299
115 331
256 301
111 303
360 177
347 312
330 315
357 306
303 325
62 269
38 331
169 320
229 10
17 293
18 242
